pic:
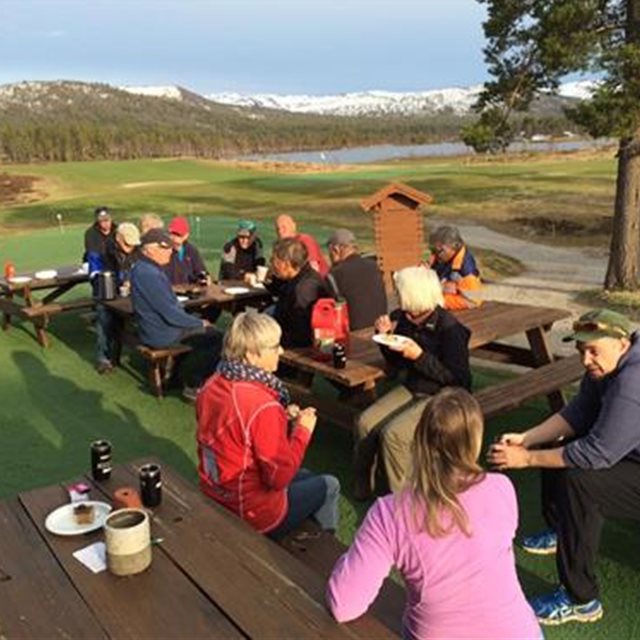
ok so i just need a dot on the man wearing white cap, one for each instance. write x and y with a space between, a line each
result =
120 254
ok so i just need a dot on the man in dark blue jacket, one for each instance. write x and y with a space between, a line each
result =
161 320
592 465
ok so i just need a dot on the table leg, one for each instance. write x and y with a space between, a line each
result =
41 331
6 305
542 355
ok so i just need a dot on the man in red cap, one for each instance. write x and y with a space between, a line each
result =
186 265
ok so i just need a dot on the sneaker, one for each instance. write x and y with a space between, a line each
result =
557 608
104 367
544 543
190 393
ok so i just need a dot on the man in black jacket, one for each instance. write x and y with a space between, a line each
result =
356 279
98 236
298 286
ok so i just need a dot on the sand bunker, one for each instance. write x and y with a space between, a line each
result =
164 183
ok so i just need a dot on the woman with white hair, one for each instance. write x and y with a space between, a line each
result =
251 440
432 353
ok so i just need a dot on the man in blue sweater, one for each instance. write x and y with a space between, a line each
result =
591 462
160 318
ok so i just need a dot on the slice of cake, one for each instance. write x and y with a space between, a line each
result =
83 513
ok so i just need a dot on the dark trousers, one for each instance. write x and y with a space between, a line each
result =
195 367
575 504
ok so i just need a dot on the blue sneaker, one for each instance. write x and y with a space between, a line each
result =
544 543
557 608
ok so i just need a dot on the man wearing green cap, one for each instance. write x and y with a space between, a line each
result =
243 254
591 463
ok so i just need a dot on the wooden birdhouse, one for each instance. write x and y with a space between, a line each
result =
398 227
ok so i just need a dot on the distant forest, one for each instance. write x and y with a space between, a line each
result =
71 123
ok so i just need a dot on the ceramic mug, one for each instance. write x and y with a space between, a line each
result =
128 541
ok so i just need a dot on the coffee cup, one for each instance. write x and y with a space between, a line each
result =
261 273
127 535
252 279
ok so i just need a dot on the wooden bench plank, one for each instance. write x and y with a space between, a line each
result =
37 599
161 602
56 307
514 392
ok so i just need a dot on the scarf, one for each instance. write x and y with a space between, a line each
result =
235 370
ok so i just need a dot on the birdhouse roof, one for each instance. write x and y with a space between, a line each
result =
393 188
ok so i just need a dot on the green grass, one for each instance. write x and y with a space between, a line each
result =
54 404
576 187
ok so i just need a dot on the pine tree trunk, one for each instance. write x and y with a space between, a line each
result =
624 257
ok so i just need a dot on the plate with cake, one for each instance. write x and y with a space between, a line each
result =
77 518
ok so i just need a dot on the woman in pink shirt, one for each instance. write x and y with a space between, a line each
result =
449 533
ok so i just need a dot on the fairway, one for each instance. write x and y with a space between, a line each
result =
54 403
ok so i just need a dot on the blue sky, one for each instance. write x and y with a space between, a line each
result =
249 46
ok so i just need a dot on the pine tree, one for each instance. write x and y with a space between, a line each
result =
532 45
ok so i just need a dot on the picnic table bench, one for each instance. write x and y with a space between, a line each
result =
17 298
211 576
490 323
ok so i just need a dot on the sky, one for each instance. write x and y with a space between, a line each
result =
247 46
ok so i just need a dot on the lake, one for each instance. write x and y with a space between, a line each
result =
362 155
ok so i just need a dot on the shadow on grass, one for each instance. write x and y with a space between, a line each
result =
63 419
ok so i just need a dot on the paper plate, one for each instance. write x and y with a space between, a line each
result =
236 291
20 279
61 521
46 274
390 340
182 298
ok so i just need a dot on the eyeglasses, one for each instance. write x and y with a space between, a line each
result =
593 327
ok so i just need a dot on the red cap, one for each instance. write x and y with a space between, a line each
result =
179 226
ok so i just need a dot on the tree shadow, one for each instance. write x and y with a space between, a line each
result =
62 419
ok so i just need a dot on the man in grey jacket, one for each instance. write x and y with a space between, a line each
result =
591 460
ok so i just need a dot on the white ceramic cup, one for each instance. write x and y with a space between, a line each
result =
127 535
261 273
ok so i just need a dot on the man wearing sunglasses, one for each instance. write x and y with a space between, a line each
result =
591 462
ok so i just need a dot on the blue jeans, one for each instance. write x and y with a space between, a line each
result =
310 495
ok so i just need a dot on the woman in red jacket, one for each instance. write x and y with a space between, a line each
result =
251 441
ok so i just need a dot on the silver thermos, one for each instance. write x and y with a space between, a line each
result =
106 289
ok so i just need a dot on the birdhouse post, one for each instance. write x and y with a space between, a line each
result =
398 227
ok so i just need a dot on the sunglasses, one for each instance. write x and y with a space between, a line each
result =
593 327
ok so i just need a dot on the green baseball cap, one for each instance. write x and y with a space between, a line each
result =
247 226
600 323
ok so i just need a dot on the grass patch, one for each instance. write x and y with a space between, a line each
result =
627 302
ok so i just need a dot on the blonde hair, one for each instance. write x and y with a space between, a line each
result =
150 221
418 289
250 332
445 451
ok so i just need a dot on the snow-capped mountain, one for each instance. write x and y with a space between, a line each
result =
457 100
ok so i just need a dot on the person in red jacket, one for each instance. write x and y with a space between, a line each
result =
251 440
286 228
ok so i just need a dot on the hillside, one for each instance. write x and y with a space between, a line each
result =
64 120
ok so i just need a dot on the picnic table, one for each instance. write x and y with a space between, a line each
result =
211 576
489 324
17 297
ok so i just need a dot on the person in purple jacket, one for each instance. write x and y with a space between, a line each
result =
450 534
591 463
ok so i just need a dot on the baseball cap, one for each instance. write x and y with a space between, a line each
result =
600 323
341 237
157 236
179 225
129 233
101 213
246 227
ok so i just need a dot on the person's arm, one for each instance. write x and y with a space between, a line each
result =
452 368
279 457
515 450
359 574
197 264
228 262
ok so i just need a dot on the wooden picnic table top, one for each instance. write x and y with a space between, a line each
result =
201 296
490 322
211 576
66 275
